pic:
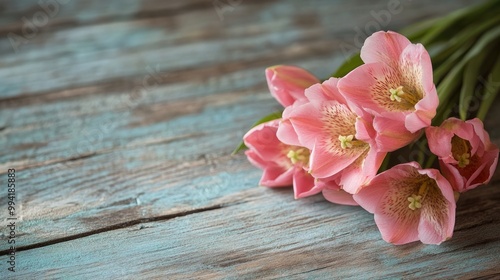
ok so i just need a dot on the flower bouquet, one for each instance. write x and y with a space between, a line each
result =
407 94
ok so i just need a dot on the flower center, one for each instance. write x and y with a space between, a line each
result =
345 141
300 155
463 160
460 149
397 94
416 200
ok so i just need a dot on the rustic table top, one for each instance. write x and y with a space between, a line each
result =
119 118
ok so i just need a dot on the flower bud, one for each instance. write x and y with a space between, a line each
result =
287 83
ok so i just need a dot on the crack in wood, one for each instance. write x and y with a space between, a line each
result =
84 156
487 276
117 226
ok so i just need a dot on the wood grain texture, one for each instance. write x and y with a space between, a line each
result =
120 117
267 234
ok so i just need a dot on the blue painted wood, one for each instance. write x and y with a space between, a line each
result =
268 234
119 184
104 49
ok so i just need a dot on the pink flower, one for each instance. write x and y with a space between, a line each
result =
286 165
339 196
287 83
410 204
466 155
395 85
338 134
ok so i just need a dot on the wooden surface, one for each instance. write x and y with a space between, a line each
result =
117 180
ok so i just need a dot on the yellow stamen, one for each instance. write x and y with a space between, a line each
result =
300 155
424 188
463 160
416 200
396 93
345 141
399 95
460 149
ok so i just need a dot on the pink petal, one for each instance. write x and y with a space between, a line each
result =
416 68
304 184
306 122
370 196
331 183
437 225
493 166
479 129
435 232
359 86
364 129
439 138
384 47
442 183
415 65
255 159
287 83
385 196
362 171
391 133
396 230
352 179
276 176
439 141
484 172
263 140
425 111
326 91
286 133
418 120
464 130
373 162
453 176
339 197
325 162
482 134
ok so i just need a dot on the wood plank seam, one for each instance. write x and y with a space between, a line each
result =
99 152
120 226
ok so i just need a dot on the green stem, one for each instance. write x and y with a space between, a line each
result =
491 89
461 17
385 163
430 161
472 71
453 80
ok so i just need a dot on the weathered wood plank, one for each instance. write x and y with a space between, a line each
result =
140 42
102 174
268 235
